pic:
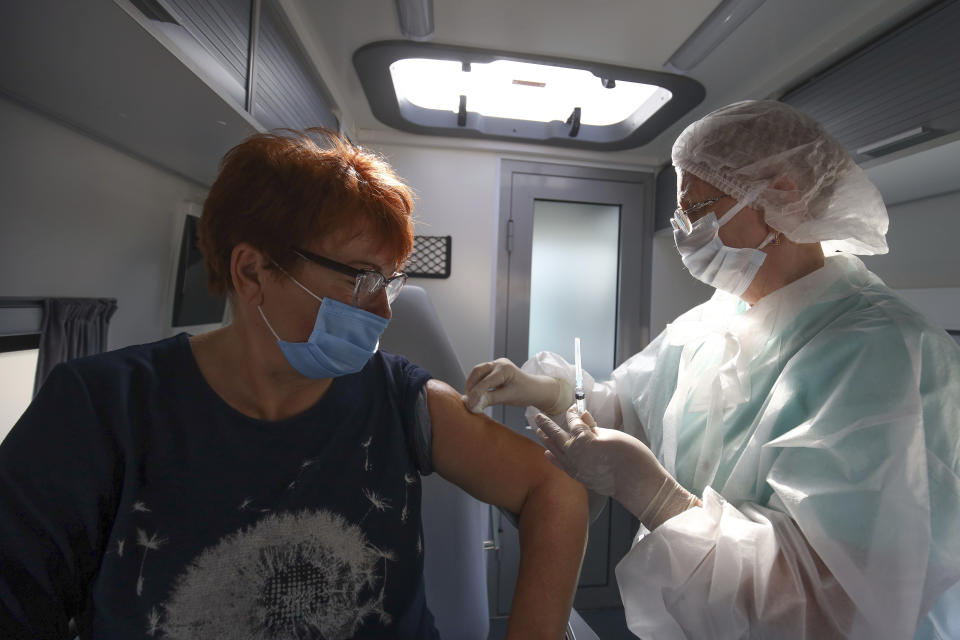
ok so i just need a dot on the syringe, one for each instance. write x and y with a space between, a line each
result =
578 393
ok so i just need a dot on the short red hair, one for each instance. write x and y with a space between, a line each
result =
276 189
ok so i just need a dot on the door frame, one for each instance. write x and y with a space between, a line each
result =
633 321
616 525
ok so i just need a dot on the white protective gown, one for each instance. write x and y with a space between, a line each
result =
821 428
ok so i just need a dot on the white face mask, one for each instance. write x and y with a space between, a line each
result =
714 263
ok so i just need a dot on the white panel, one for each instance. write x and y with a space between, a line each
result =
457 196
940 306
923 244
919 175
573 281
17 370
80 219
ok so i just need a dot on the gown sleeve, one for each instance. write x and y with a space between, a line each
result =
57 501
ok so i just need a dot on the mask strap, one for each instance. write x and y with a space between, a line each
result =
264 316
743 202
768 239
318 298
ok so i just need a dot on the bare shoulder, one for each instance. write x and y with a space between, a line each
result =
482 456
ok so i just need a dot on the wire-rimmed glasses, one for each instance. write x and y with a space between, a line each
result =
681 217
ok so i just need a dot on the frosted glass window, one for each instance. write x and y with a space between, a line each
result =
573 282
17 370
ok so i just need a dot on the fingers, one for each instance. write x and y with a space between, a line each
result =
481 379
577 422
475 405
478 373
553 435
555 451
553 460
488 384
587 417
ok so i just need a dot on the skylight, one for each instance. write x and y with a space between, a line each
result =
523 91
443 90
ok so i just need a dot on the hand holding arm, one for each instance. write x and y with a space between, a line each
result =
615 464
502 382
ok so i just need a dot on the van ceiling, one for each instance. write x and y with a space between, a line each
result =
781 44
99 67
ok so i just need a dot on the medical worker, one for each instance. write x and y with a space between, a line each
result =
791 446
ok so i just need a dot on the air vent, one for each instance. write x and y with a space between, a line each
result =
152 10
220 36
222 27
287 92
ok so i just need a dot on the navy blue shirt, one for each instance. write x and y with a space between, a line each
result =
135 500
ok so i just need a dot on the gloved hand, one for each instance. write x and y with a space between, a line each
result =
502 382
615 464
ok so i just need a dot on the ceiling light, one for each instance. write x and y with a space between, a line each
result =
715 29
523 91
445 90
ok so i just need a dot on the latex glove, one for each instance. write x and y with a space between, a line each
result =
502 382
615 464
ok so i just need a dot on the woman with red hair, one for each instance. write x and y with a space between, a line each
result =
263 480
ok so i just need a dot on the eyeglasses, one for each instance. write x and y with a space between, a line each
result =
369 283
681 217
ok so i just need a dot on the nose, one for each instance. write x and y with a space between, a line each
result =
380 305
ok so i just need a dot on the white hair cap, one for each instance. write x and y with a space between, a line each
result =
770 146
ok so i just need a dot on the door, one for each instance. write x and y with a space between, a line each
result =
573 261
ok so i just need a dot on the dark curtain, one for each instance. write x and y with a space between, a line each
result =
71 328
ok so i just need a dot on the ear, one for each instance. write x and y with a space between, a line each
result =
788 189
248 270
784 183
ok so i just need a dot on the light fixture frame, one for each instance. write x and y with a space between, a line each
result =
372 63
717 27
415 18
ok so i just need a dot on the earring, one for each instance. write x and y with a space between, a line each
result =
776 239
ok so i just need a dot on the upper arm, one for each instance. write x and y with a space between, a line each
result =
56 470
483 457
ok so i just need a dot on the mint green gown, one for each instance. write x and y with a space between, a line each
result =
821 429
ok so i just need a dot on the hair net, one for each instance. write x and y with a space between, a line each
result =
759 144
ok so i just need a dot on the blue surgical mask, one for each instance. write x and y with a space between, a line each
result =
343 340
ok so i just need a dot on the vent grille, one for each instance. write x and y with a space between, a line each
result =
287 93
284 90
908 79
222 27
430 258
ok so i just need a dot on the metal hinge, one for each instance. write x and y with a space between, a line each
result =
493 545
510 235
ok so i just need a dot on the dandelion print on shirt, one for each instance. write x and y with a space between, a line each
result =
309 574
223 526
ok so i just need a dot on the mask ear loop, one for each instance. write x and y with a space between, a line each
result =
734 210
267 322
297 282
747 199
260 306
773 236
